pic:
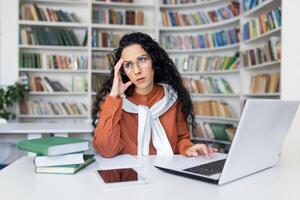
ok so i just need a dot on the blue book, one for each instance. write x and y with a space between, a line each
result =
201 41
172 18
246 33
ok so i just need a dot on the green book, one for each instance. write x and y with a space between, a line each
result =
65 169
219 131
51 146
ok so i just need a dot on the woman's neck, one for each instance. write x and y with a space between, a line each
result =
144 91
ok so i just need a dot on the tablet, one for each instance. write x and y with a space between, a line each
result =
119 177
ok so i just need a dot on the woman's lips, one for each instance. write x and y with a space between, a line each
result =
140 80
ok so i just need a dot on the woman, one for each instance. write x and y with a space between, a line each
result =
143 108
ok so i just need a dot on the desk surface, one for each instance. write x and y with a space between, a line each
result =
43 127
18 181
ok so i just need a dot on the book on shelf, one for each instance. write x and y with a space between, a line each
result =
34 12
204 40
102 15
263 24
196 63
214 131
265 83
213 108
46 84
97 81
30 60
79 84
102 61
105 39
207 85
71 62
179 2
41 107
51 146
267 52
177 18
248 5
56 36
58 160
65 169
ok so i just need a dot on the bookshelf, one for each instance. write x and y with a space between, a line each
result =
239 78
83 25
257 71
237 74
231 75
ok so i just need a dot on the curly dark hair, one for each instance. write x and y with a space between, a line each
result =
165 71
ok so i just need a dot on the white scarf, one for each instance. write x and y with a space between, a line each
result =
148 122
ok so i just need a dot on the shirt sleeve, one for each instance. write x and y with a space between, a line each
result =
183 134
107 134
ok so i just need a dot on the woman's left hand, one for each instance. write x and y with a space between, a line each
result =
200 149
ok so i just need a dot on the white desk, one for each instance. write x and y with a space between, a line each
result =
18 181
35 130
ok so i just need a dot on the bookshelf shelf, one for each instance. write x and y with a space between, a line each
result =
220 24
258 8
106 49
211 140
263 36
216 95
228 47
188 5
54 48
217 72
124 5
217 119
52 116
263 95
58 93
123 27
53 24
100 71
52 70
264 65
60 2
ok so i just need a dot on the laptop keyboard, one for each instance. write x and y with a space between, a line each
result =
208 169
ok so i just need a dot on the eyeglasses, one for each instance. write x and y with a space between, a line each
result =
141 61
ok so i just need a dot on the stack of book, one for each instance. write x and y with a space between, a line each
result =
174 18
224 132
265 83
200 41
36 13
268 52
61 155
207 85
196 63
40 107
263 24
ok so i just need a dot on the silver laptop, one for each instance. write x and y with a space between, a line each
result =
256 146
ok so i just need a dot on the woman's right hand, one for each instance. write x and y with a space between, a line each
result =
118 86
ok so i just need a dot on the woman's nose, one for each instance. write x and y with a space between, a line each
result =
136 69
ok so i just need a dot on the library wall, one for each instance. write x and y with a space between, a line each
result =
9 42
290 51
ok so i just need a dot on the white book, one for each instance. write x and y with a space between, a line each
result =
69 159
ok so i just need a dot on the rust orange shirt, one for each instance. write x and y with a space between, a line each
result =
116 131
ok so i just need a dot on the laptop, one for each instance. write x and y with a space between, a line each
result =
256 146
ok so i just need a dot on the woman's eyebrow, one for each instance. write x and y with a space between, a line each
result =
136 58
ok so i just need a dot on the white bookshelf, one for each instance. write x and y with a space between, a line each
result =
241 75
266 67
83 9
